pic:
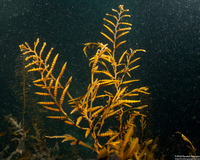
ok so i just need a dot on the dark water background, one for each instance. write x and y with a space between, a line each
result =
168 30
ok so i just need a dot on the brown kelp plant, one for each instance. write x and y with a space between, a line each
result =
110 96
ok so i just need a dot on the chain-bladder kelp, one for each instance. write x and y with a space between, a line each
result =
109 96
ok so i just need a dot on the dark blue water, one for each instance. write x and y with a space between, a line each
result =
168 30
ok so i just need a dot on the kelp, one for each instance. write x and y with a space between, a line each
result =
109 96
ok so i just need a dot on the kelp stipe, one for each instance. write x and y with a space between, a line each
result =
108 96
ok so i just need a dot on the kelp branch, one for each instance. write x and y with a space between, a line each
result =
109 97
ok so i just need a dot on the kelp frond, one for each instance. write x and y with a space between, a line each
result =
109 96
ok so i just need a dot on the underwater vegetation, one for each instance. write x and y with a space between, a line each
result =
30 145
107 111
